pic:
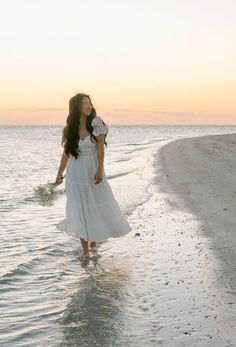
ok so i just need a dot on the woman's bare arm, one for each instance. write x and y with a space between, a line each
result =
100 151
100 157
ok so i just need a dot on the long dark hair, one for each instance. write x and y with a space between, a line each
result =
70 133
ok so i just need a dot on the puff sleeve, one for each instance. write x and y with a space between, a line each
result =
98 126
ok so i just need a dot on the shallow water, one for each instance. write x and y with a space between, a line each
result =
119 297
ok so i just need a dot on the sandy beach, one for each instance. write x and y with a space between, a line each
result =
197 178
202 172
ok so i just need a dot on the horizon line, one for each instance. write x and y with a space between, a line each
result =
138 124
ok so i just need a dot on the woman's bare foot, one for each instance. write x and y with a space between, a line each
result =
85 247
93 244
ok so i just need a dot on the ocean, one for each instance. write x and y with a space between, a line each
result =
48 297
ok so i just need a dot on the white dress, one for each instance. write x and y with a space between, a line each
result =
92 212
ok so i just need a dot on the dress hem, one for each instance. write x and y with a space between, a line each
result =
77 237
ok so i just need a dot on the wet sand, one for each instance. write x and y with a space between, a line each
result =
197 177
202 172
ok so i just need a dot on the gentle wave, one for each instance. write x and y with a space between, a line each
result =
20 269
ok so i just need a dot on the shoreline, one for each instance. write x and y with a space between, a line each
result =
199 174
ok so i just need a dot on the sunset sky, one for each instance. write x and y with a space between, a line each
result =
141 61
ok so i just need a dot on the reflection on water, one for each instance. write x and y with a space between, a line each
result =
94 316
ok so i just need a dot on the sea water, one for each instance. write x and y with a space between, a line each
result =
48 297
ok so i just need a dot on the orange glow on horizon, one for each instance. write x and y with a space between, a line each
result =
178 67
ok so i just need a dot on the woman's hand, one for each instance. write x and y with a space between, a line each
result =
98 176
59 179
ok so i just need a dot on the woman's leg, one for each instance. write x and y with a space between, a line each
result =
93 244
85 246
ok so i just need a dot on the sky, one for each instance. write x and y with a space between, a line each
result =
141 61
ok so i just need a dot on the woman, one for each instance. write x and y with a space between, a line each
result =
92 213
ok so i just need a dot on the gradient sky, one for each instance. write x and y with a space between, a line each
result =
141 61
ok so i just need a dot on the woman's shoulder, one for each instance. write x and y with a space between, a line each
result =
99 126
97 120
